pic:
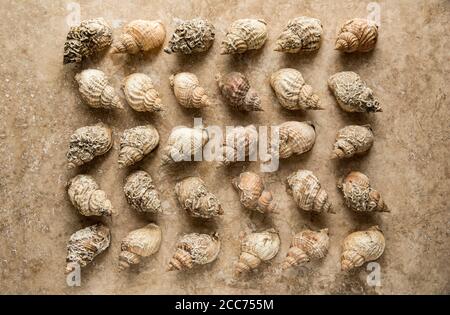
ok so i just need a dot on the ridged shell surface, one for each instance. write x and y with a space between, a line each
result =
357 35
295 138
140 93
192 36
301 34
244 35
141 193
352 140
188 91
240 144
184 144
137 142
252 192
236 89
140 35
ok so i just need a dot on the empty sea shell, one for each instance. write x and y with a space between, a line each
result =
138 244
301 34
88 142
140 35
307 192
235 88
192 36
96 91
352 93
295 138
135 143
196 200
87 197
188 91
239 144
357 35
195 249
352 140
141 193
292 91
140 93
362 246
243 35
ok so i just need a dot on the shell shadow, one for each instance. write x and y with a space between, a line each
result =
242 62
353 61
191 62
297 60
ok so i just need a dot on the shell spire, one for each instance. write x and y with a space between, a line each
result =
295 138
301 34
140 35
141 193
357 35
136 143
238 144
236 89
188 91
192 36
140 93
244 35
352 140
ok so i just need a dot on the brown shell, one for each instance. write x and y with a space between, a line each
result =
244 35
192 36
252 192
357 35
301 34
137 142
295 138
141 193
188 91
235 88
352 140
140 35
140 93
239 144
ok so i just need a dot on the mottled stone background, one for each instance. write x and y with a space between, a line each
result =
40 108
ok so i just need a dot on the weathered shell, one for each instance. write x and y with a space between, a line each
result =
362 246
196 200
352 140
252 192
84 245
87 197
192 36
255 248
243 35
137 142
195 249
188 91
295 138
357 35
96 91
301 34
88 142
307 245
141 193
236 89
352 93
89 37
183 144
138 244
239 144
358 194
292 91
140 35
307 192
140 93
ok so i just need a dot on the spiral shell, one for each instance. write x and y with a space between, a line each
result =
243 35
358 194
239 143
307 245
96 91
357 35
362 246
295 138
85 244
196 200
138 244
255 248
252 192
141 193
307 192
352 140
135 143
90 37
301 34
88 142
292 91
140 93
140 35
87 197
183 144
195 249
236 89
192 36
188 91
352 93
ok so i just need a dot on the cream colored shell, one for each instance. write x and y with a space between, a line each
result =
140 93
135 143
301 34
140 35
295 138
141 193
188 91
244 35
352 140
239 144
191 37
357 35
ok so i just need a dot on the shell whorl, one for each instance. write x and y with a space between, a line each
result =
301 34
184 144
188 91
352 140
135 143
357 35
140 35
140 93
295 138
236 89
243 35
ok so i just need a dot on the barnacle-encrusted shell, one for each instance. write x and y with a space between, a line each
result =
255 248
137 142
88 142
96 91
292 91
89 37
138 244
141 193
243 35
188 91
183 144
305 246
84 245
352 93
87 197
295 138
192 36
357 35
352 140
238 144
301 34
196 200
195 249
252 192
140 35
140 93
362 246
358 194
307 192
236 89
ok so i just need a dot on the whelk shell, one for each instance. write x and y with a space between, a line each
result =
140 93
140 35
236 89
238 144
244 35
188 91
357 35
301 34
295 138
352 140
192 36
141 193
135 143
